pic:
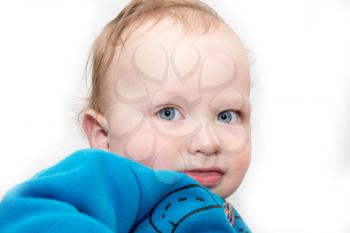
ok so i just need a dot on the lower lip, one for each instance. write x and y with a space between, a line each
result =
207 179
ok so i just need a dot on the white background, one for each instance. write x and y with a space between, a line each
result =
299 178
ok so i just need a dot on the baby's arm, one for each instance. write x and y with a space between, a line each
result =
96 191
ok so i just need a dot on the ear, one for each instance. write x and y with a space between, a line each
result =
96 129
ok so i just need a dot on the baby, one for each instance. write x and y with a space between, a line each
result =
170 91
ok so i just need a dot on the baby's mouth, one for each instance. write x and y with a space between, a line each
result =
207 177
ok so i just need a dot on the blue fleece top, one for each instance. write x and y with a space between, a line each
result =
93 190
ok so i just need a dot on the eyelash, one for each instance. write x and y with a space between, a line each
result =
236 112
239 114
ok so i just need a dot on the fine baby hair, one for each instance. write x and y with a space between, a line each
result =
194 16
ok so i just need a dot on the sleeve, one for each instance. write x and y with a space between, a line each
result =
239 225
93 190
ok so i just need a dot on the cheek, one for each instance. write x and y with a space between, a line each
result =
123 120
242 163
239 165
147 147
141 147
168 157
233 138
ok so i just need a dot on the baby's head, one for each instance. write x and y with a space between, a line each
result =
170 89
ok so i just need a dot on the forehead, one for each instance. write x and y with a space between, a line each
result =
164 58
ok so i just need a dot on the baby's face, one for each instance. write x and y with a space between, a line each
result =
181 103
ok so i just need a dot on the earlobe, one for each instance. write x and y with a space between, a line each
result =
96 129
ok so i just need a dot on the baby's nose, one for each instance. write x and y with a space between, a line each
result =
204 141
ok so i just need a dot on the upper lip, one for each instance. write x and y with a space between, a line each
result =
211 169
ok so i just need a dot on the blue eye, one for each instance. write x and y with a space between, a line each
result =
168 113
227 117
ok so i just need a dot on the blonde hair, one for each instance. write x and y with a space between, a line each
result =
102 52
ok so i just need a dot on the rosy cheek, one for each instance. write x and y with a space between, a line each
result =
240 162
233 138
169 157
141 148
147 147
